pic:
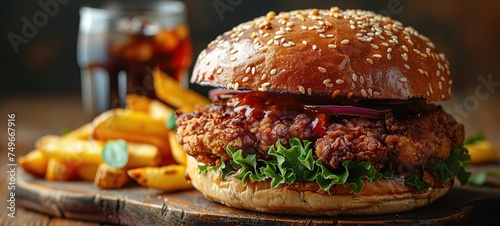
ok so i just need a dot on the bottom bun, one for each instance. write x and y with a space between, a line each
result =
381 197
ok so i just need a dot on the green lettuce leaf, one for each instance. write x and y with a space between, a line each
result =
297 163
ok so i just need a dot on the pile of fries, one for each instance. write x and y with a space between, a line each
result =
155 159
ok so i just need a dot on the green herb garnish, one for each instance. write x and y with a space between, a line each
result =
170 121
476 137
479 179
115 153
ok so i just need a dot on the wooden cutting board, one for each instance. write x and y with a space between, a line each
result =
136 205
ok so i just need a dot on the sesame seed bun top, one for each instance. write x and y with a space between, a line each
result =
343 54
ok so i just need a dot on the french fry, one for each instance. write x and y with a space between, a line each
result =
58 171
108 177
167 178
136 127
86 172
141 155
74 152
159 110
482 151
34 163
169 90
177 151
127 120
82 132
137 102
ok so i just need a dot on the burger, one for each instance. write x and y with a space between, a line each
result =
323 112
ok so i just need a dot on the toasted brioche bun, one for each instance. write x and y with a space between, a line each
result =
353 53
382 197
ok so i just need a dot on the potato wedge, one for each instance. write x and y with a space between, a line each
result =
34 163
167 178
82 132
168 89
72 152
159 110
482 151
137 102
86 172
58 171
126 120
75 153
108 177
177 151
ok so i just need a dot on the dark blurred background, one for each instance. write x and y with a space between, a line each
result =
468 32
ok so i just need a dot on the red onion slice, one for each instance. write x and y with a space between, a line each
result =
222 93
347 110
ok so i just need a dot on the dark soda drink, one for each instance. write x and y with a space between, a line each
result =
119 48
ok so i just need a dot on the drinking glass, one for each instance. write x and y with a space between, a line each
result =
121 42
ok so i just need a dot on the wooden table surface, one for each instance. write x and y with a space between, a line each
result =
40 115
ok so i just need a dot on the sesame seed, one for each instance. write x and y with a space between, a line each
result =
286 45
354 77
290 24
208 62
420 71
265 84
403 80
335 93
262 89
370 92
303 27
345 41
263 48
349 95
339 81
375 93
322 69
304 42
385 44
236 86
374 46
361 80
320 30
440 85
322 35
370 61
291 43
442 78
389 50
273 71
329 85
245 79
352 26
263 77
233 59
219 71
407 66
389 57
330 35
326 81
280 32
277 37
314 47
233 51
266 35
363 92
248 70
377 55
438 73
253 70
405 48
302 90
404 56
309 91
270 42
332 46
